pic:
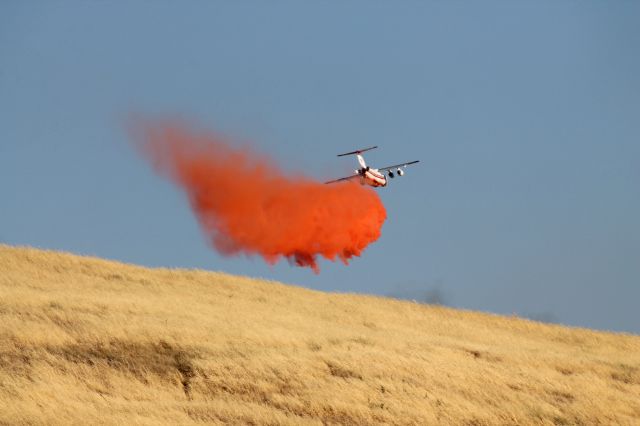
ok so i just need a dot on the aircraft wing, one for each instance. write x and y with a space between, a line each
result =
398 165
344 178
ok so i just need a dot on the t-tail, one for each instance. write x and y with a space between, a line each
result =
358 153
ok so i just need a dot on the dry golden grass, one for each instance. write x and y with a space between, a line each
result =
89 341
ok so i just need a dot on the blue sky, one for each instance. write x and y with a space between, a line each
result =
525 116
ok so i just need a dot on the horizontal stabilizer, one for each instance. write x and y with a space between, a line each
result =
360 151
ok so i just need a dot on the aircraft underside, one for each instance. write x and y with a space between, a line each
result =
373 179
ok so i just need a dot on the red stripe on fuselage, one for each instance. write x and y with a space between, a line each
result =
375 178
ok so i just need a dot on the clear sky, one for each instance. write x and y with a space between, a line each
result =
525 116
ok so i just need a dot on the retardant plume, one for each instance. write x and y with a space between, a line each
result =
247 205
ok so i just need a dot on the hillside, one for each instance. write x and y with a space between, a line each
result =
89 341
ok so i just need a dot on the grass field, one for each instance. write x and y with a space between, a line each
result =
89 341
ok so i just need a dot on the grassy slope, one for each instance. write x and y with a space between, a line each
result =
85 340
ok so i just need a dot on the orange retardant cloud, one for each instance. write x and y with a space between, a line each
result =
247 205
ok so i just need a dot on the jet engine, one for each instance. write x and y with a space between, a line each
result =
391 175
400 172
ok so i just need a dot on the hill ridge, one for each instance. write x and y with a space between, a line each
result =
88 340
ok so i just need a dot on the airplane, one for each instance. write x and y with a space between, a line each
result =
370 176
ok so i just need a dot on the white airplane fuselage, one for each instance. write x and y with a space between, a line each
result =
369 176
